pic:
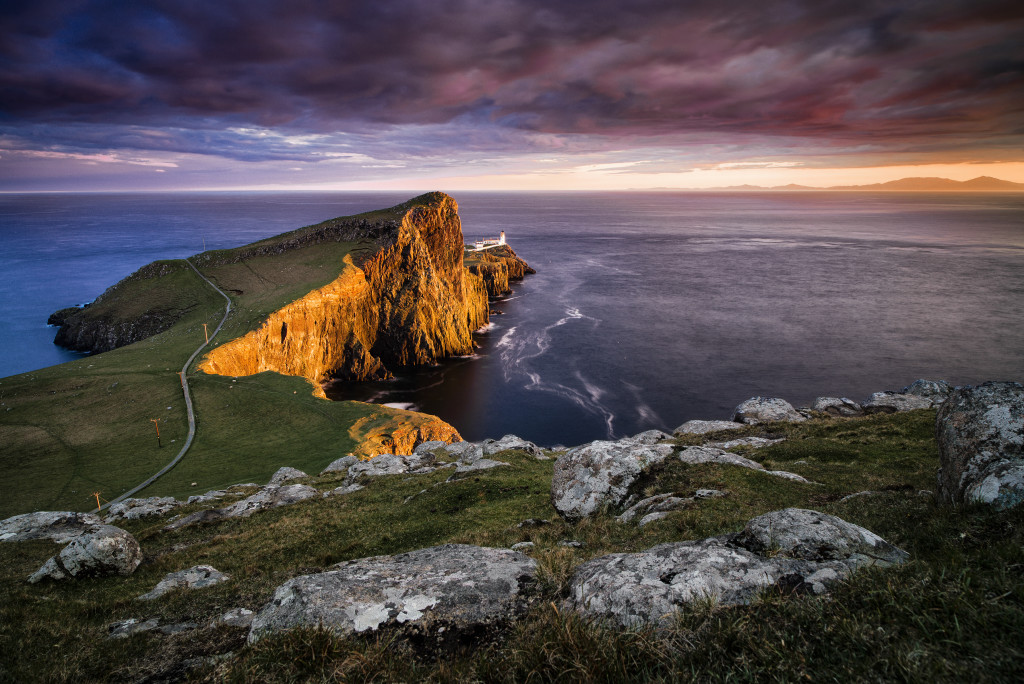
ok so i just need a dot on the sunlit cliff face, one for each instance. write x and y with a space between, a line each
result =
411 303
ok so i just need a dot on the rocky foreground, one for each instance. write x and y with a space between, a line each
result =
452 592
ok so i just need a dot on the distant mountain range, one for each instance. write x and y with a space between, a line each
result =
979 184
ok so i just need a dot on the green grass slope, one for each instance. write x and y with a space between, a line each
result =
73 429
955 611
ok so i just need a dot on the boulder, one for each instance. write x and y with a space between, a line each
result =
837 406
439 592
810 535
758 410
286 474
894 402
707 454
196 577
640 589
599 474
936 390
702 427
133 509
196 518
236 617
466 452
509 442
268 497
392 464
429 447
59 526
980 431
341 491
126 628
341 465
108 550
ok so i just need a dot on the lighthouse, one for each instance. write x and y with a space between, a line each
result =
501 238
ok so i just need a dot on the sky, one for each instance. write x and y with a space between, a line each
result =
112 95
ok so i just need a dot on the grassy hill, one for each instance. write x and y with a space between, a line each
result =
955 611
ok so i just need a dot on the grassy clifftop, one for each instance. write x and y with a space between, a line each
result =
955 611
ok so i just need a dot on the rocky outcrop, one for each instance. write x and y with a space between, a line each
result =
106 551
794 551
766 410
133 509
410 303
394 431
709 454
980 431
443 592
271 496
196 577
599 474
509 443
497 266
58 526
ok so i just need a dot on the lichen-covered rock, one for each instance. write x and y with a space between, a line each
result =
391 464
708 454
59 526
702 427
599 474
936 390
196 577
639 589
236 617
894 402
108 550
837 406
268 497
758 410
980 432
342 491
810 535
286 474
133 509
508 442
437 592
126 628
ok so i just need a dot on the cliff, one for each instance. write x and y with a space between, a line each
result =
410 302
497 266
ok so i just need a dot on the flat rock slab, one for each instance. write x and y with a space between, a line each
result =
895 402
58 526
134 509
108 550
638 589
702 427
599 474
707 454
271 496
980 432
341 465
196 577
758 410
439 591
479 464
754 442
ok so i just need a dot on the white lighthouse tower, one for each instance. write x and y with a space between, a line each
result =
501 238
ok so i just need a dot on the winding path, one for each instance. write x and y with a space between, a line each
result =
188 398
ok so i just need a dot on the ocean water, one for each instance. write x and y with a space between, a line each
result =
648 309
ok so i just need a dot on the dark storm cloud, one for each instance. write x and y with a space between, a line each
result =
839 73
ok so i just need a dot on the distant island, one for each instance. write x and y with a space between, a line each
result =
979 184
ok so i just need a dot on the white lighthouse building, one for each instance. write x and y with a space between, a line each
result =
487 243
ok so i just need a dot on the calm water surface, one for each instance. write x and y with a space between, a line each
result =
648 309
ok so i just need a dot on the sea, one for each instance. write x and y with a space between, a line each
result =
647 309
